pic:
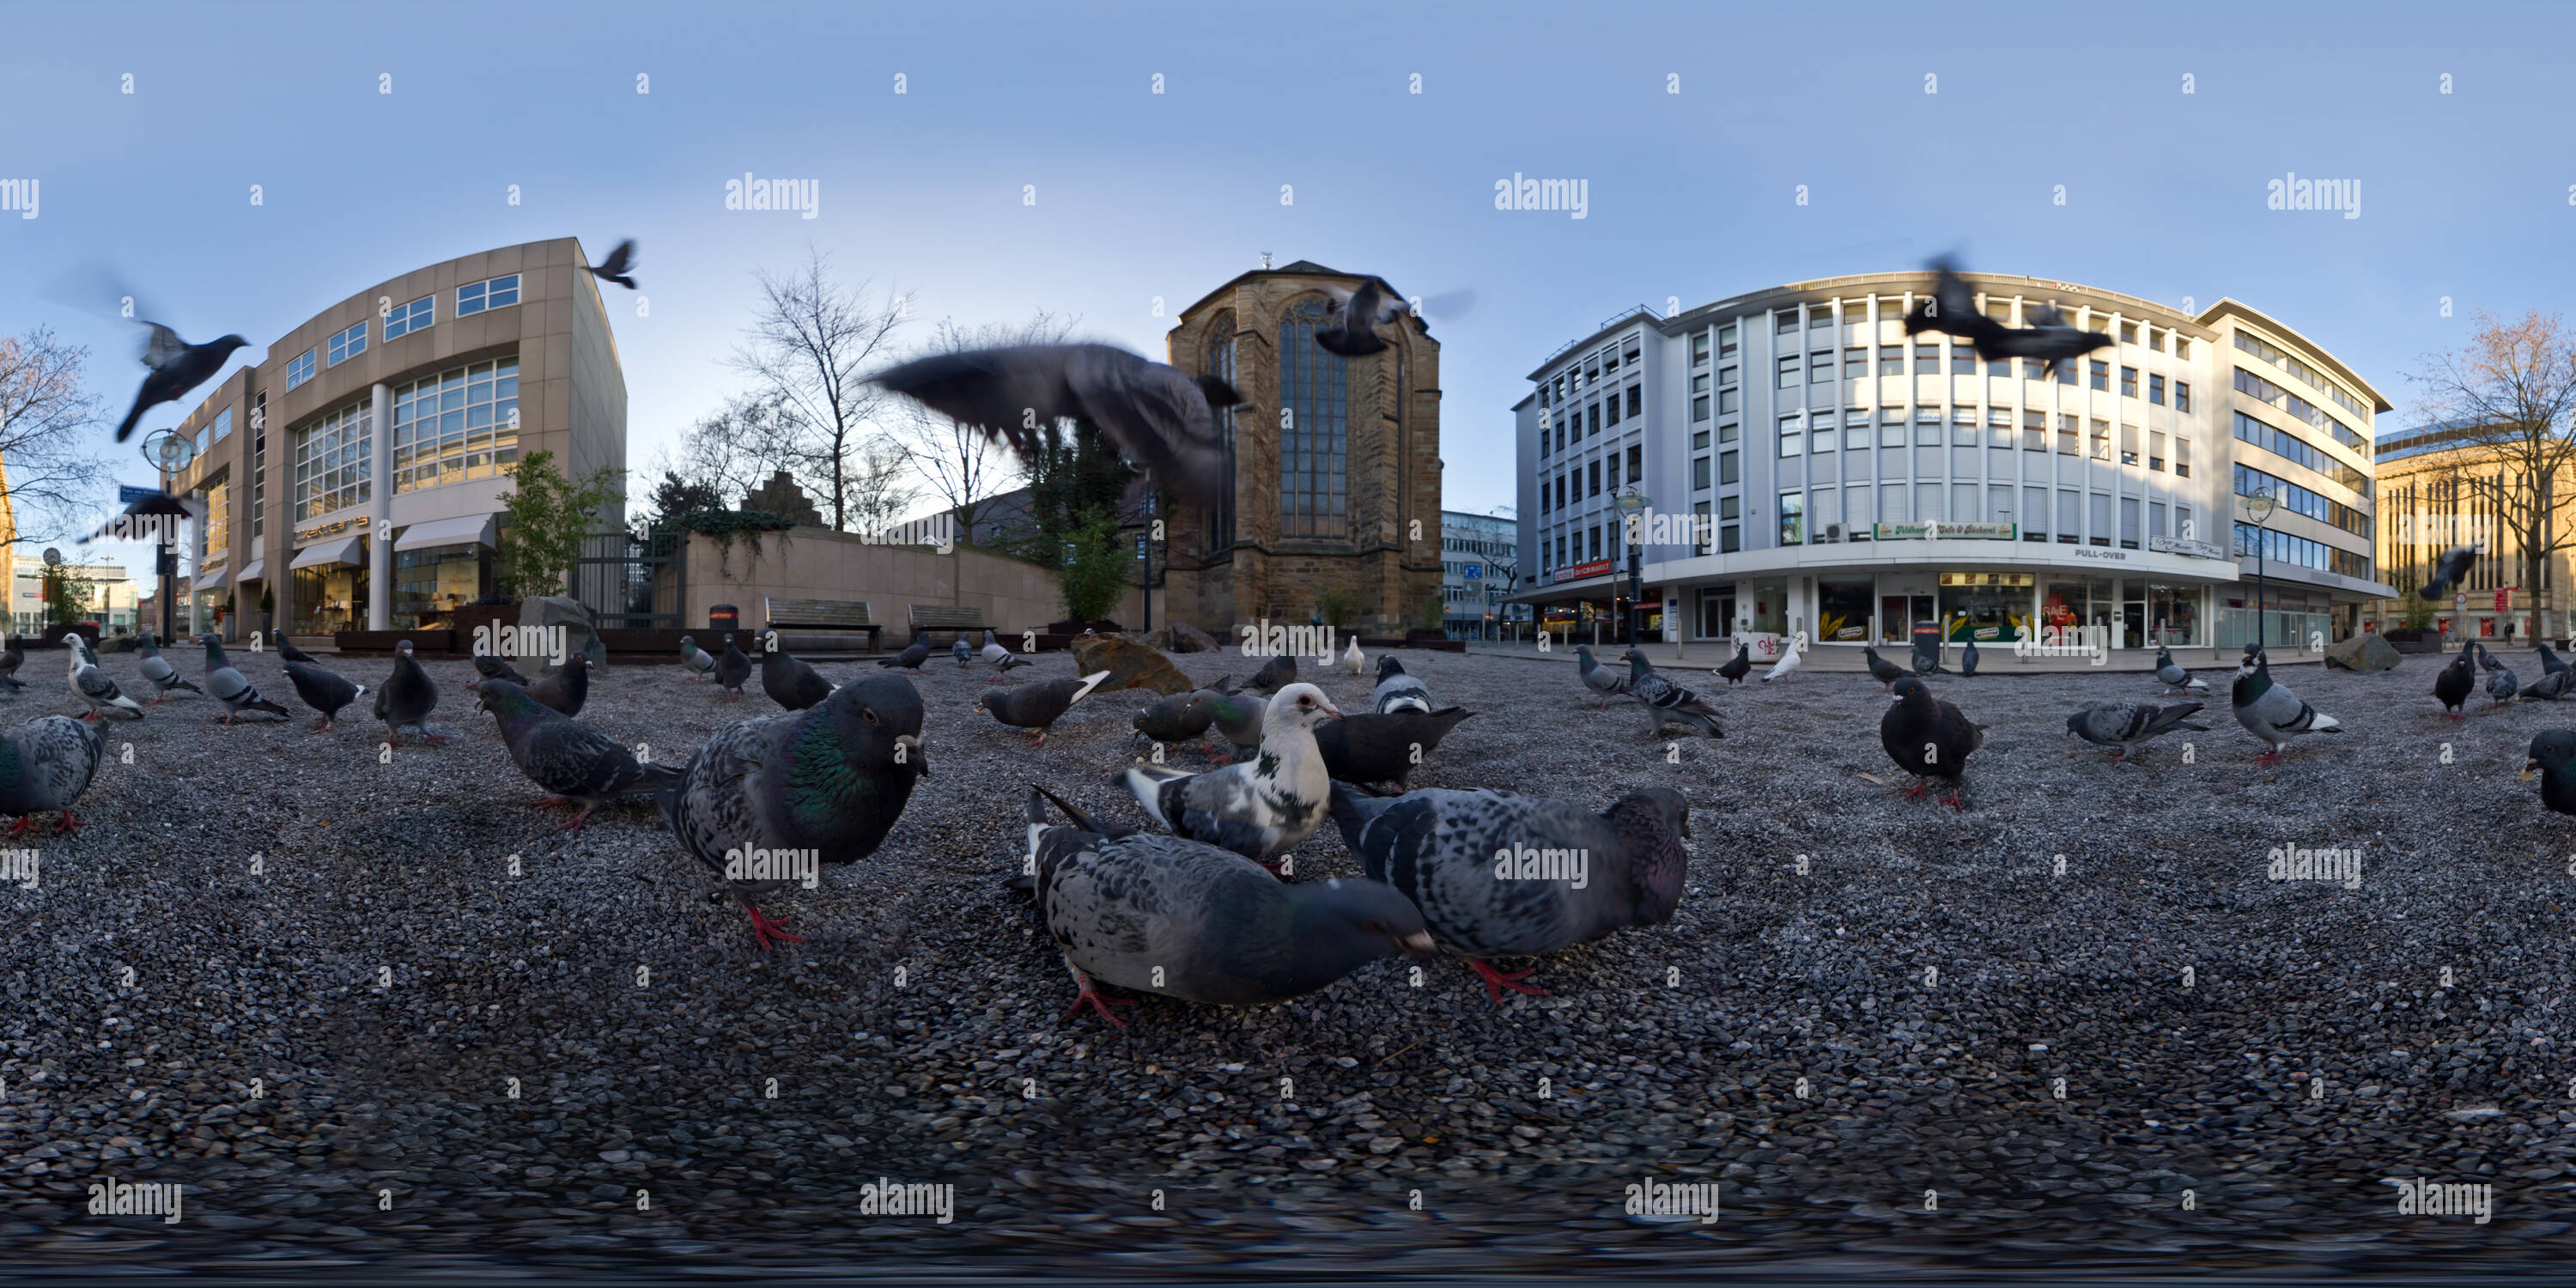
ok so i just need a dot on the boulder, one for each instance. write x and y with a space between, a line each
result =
1130 664
2363 652
545 612
1190 639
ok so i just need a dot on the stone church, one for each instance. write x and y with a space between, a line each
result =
1336 463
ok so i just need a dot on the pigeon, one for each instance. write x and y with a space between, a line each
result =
2453 684
698 663
1880 669
408 697
615 268
322 690
1165 915
92 686
1927 661
1667 703
2126 724
910 659
957 649
732 669
1398 690
2501 685
565 690
158 672
2270 711
489 666
177 367
829 780
1952 308
2550 663
575 763
1928 738
1968 660
1573 875
286 649
2173 677
2552 756
1368 748
2550 687
1157 415
45 764
1035 706
1177 718
1002 658
2486 660
2449 570
231 687
152 517
11 658
1261 808
791 682
1276 674
1737 668
1352 660
1238 718
1788 664
1356 318
1603 681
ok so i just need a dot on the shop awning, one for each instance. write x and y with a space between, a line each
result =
252 570
213 579
472 529
339 550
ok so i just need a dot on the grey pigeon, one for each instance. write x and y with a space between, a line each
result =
572 761
1261 808
732 669
1179 717
1927 660
2449 569
1968 659
11 658
157 670
695 662
1952 308
2550 663
2270 711
1034 707
830 779
2550 687
910 659
231 687
91 685
408 697
1369 748
322 690
2174 677
1170 916
1604 682
1668 704
1356 317
618 267
1880 669
45 764
2501 685
1928 738
1160 417
2124 725
1739 666
2456 680
791 682
2552 756
565 690
1498 874
1276 674
1397 690
2486 660
957 649
286 649
177 367
1002 658
488 666
1238 718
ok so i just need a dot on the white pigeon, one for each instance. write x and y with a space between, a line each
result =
92 686
1259 808
1002 659
1351 659
1788 664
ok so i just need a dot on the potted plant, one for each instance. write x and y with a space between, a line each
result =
267 611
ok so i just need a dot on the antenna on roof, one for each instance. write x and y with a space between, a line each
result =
1265 259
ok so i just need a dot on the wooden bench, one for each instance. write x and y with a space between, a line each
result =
824 614
927 618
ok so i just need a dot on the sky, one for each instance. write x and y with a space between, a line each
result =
1029 164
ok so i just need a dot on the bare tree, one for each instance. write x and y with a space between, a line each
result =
963 465
2508 395
738 447
51 478
881 485
813 343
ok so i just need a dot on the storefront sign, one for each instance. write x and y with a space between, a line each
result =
2186 547
1985 579
1979 531
2091 552
1579 571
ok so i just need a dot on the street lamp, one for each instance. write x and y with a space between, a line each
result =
2258 507
1631 503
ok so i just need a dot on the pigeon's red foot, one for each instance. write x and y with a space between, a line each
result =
1498 980
19 828
1953 801
1098 1001
70 824
766 929
574 823
90 716
1921 785
433 737
543 802
2268 758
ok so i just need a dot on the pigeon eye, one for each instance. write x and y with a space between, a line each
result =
869 715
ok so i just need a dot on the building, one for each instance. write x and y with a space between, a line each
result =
1336 462
1806 466
1479 557
111 596
2428 503
437 382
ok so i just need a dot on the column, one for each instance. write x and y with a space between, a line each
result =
380 537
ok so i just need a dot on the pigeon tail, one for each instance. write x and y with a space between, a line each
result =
1146 785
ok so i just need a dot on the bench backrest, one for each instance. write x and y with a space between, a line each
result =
947 616
815 612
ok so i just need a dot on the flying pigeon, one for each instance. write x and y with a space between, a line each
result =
1369 748
1788 664
1880 669
1356 317
286 650
1276 674
1157 415
1177 718
1398 690
2550 687
1603 681
92 686
322 690
177 367
2452 686
1165 915
488 666
695 662
1352 660
1261 808
2173 677
158 672
575 763
1952 308
620 262
565 690
2449 570
1928 738
910 659
231 687
732 669
831 779
1667 703
148 517
45 764
1238 718
2126 724
408 697
1968 659
1574 875
1738 667
1035 706
2552 756
2501 684
791 682
957 649
2270 711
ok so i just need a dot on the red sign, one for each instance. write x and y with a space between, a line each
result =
2504 597
1592 569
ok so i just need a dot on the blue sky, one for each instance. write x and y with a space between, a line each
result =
2465 195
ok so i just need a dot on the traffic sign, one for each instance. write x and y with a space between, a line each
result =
128 494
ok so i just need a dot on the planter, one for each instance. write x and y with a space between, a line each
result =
465 619
1076 628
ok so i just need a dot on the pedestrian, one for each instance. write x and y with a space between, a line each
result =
2508 634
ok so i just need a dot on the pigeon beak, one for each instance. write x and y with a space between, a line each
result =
919 755
1417 944
2528 768
1333 711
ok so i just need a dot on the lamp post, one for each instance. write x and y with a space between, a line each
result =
1631 503
2258 507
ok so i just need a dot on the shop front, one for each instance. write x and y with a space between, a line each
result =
441 566
330 584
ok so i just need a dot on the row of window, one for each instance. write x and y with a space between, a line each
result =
2282 443
2299 552
1585 421
1806 516
2303 371
475 297
1476 546
1855 312
459 425
2299 500
2257 387
1578 475
1568 384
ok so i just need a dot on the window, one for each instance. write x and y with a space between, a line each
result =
1593 473
2182 390
1592 419
2304 372
2070 516
1614 409
2282 443
2249 383
1612 462
2128 444
2067 436
2101 375
223 424
463 424
1699 528
1819 316
299 369
1699 383
1730 507
2101 440
2156 339
2066 372
1785 322
1636 462
2099 534
1891 362
331 462
1596 542
258 465
348 344
2182 458
1927 424
1855 363
2128 523
2155 451
1891 427
2182 345
1699 349
1793 519
1963 425
1730 539
1727 471
2128 333
2128 382
1789 372
1636 399
1314 388
219 519
1727 401
411 317
2000 369
1726 433
2034 431
1726 340
1791 441
493 293
1699 473
2156 390
1820 367
1699 441
1927 359
1963 360
1699 407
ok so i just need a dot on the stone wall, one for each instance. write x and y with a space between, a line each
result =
818 563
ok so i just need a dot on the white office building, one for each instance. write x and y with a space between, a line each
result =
1479 557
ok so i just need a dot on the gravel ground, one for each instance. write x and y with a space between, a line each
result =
1928 973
